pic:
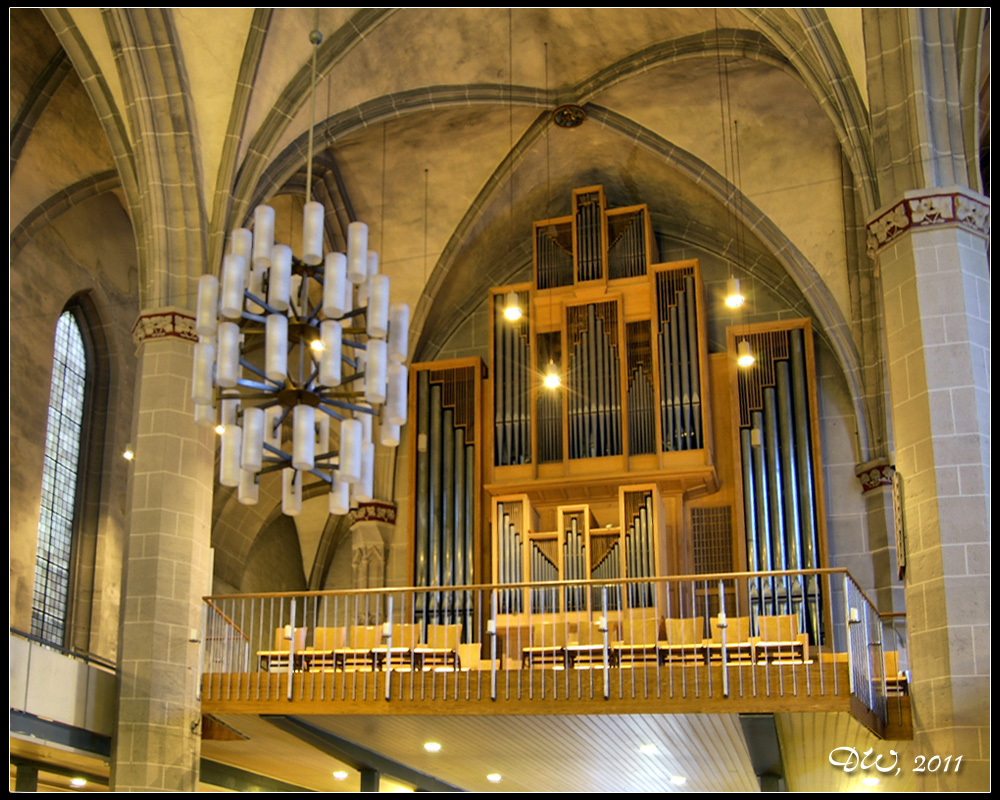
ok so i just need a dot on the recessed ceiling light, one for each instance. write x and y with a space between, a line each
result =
432 747
340 775
494 777
678 780
871 780
78 782
648 749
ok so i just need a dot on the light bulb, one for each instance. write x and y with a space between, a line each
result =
734 297
744 357
512 310
552 377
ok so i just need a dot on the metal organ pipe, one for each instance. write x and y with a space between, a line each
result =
761 492
447 504
423 483
436 509
458 517
682 355
750 512
499 367
776 488
675 378
694 362
790 497
807 498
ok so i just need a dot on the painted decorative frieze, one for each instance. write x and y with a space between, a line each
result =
927 209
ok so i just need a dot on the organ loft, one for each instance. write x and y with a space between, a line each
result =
604 440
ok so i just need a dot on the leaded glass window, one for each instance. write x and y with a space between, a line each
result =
59 482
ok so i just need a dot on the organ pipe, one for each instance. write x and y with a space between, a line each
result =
694 363
422 533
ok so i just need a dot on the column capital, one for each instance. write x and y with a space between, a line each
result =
927 208
163 323
875 474
374 512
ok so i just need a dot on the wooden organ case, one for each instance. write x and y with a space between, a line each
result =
615 473
589 480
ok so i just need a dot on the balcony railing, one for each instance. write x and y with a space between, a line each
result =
708 638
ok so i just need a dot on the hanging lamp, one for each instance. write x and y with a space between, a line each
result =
298 353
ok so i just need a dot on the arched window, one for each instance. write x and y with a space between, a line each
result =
60 472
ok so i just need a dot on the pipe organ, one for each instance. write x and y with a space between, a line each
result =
588 441
779 465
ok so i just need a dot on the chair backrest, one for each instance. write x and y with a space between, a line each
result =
782 628
737 630
444 637
891 663
641 628
329 638
690 630
365 637
549 634
590 633
282 643
406 634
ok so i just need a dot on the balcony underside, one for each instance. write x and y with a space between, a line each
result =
680 689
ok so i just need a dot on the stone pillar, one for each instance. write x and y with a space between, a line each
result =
931 249
167 567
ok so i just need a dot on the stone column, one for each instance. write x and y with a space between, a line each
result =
167 567
931 249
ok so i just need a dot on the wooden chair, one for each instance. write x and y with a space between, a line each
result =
547 645
739 647
359 653
640 639
277 658
405 639
897 681
325 642
684 642
779 641
441 649
588 648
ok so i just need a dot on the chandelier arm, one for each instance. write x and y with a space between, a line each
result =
259 372
354 312
349 406
262 303
327 411
351 378
249 384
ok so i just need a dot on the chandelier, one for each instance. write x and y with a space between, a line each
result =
298 353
